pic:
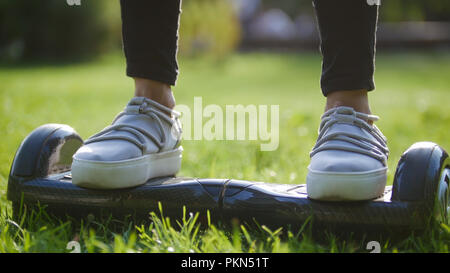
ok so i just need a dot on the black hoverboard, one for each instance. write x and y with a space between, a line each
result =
40 174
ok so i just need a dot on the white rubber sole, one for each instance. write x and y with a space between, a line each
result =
346 186
125 173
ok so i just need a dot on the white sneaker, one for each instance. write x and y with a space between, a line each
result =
349 160
143 142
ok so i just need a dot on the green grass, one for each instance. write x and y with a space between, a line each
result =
411 99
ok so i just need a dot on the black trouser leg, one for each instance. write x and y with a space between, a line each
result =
347 31
150 37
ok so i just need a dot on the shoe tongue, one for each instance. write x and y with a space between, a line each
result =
345 110
348 113
346 128
140 121
346 117
342 124
132 115
137 103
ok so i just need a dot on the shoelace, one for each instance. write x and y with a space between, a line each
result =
147 108
363 145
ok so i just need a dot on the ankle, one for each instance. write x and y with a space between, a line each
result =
357 99
154 90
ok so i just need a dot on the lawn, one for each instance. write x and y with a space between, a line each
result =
411 98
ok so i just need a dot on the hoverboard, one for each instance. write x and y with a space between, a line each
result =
40 174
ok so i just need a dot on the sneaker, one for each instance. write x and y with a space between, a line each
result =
143 142
349 160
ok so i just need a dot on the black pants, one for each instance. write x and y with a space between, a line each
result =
347 31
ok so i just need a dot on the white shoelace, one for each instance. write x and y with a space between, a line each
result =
363 145
148 108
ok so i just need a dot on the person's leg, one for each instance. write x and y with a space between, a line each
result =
158 91
150 35
143 140
347 30
348 161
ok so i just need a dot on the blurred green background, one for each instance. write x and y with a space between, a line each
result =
51 30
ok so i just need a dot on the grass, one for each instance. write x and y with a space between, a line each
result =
411 99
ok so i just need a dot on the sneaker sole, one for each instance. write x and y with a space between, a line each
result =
350 186
125 173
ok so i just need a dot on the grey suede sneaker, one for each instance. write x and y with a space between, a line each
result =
349 160
143 142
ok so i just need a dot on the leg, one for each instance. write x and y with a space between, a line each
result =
143 140
347 30
157 91
150 34
348 161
